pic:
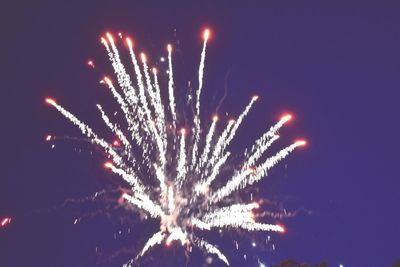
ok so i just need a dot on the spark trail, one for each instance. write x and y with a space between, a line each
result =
183 164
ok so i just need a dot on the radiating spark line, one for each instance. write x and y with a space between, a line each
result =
259 151
162 179
219 149
156 239
86 130
122 76
266 140
181 167
130 178
215 170
220 143
212 250
243 178
171 86
206 150
160 119
115 129
197 121
144 203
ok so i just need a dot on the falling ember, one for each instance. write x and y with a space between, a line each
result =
5 221
116 143
183 163
90 63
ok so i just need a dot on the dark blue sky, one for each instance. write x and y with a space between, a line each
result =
335 66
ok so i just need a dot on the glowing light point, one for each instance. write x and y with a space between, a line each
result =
109 36
300 143
154 71
169 48
279 228
254 98
90 63
120 35
108 165
103 41
183 131
129 42
107 80
48 138
286 117
143 57
206 34
50 101
116 143
215 118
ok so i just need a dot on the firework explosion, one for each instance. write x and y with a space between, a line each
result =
183 164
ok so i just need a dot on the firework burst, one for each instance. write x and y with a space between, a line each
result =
183 164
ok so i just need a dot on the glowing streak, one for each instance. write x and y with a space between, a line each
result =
160 110
144 203
227 139
171 87
271 132
206 150
5 221
161 178
115 129
150 88
156 239
243 178
133 180
143 110
212 250
123 77
259 151
220 143
86 130
147 121
197 121
216 170
181 168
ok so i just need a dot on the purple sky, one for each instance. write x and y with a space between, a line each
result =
335 66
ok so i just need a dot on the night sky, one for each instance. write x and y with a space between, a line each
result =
334 66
